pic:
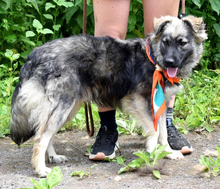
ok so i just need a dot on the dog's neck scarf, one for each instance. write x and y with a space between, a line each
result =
157 96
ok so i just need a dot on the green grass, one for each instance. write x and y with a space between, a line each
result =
198 105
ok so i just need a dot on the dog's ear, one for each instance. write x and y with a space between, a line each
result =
160 23
197 25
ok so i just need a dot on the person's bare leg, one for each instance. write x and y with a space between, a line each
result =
155 9
158 8
111 18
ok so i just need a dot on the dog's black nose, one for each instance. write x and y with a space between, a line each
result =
169 62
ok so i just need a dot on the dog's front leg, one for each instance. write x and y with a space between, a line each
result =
163 139
152 140
138 106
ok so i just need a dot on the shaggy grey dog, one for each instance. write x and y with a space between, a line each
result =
59 75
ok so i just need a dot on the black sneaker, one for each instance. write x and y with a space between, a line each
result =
176 140
105 145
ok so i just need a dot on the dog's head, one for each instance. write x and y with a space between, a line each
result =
177 44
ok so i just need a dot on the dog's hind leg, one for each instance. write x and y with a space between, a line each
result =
43 140
38 157
53 157
163 139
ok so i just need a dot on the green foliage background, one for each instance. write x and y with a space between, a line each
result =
25 24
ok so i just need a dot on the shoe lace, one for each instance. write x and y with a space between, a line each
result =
118 149
105 135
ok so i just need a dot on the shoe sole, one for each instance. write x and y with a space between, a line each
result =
100 156
186 150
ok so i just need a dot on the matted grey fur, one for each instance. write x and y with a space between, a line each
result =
59 75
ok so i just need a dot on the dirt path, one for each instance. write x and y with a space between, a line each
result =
16 170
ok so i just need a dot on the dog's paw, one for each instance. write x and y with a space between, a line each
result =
43 172
57 159
175 155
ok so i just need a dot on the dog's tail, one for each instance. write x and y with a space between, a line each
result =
29 110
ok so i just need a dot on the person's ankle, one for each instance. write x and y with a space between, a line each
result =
107 119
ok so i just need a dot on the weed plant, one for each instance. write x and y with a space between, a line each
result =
54 178
145 159
212 165
81 173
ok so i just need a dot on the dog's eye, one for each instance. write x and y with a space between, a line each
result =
166 42
182 43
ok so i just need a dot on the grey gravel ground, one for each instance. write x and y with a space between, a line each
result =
16 170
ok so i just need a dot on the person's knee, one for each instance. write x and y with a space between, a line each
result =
104 109
114 33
